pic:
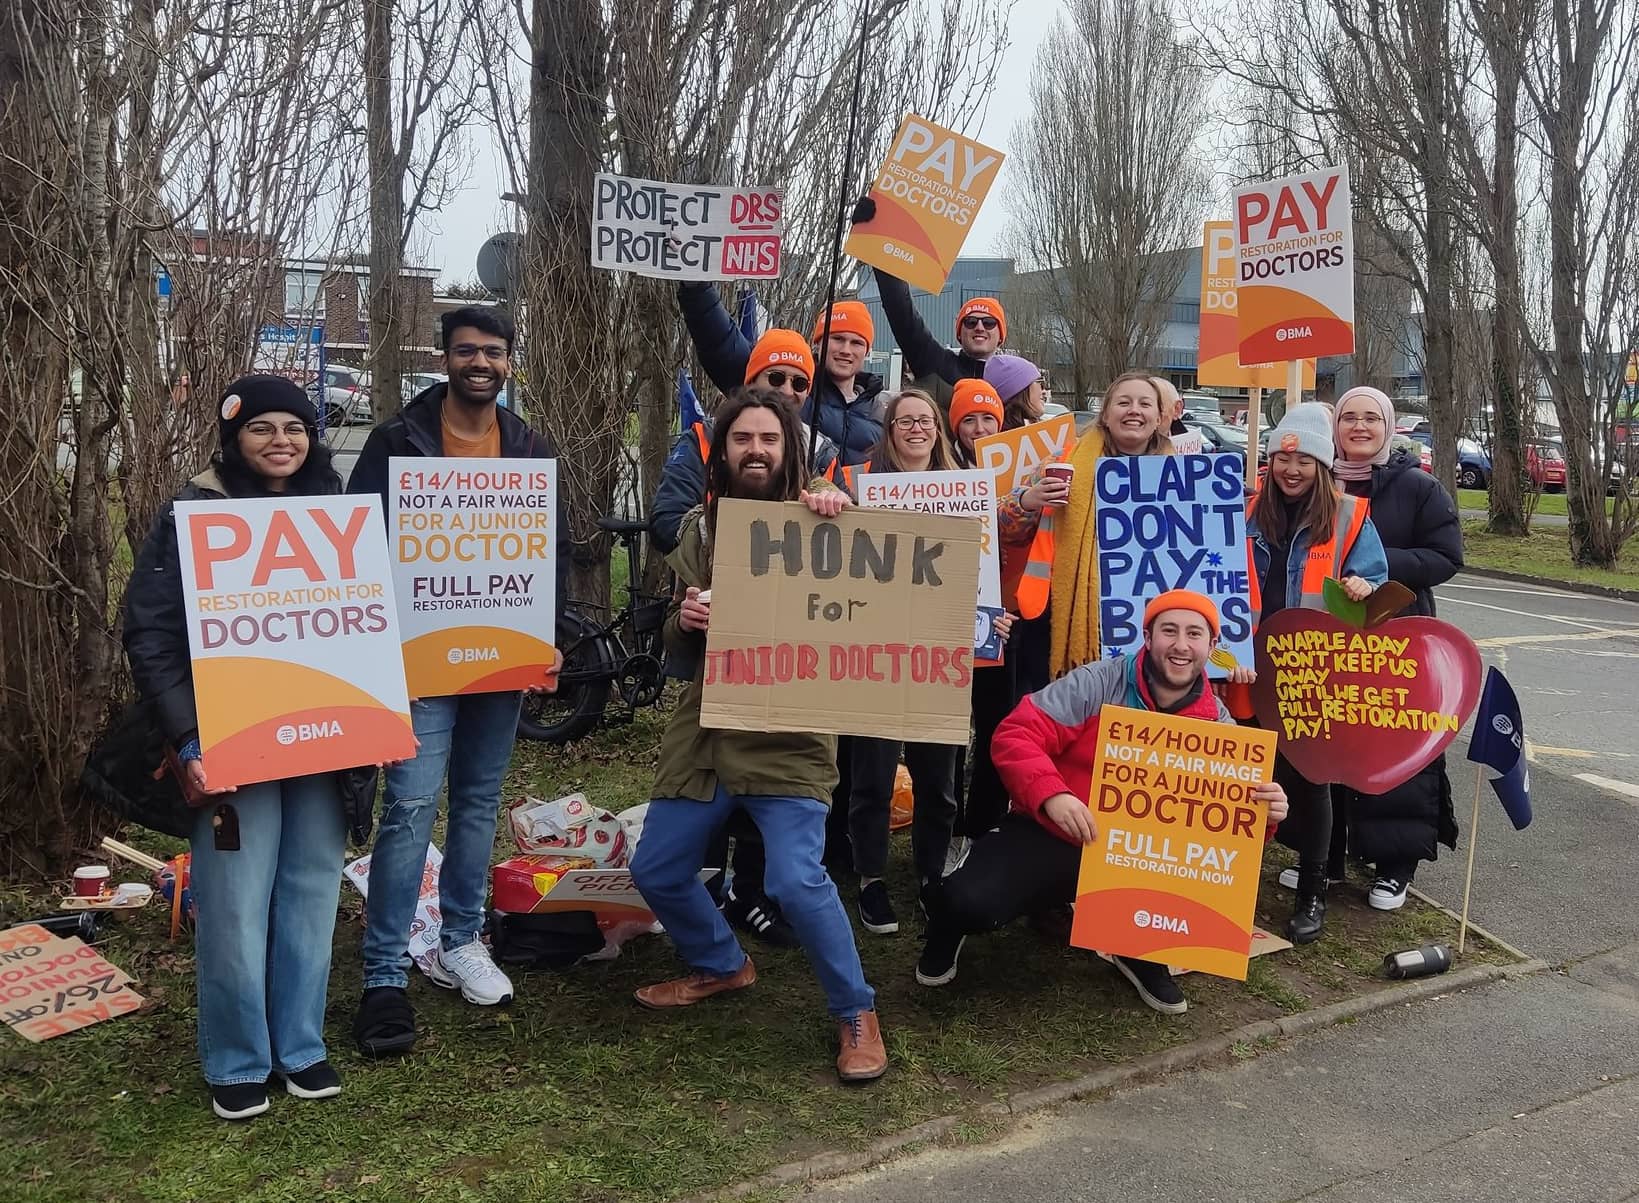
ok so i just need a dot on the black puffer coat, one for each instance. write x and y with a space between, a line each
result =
1417 521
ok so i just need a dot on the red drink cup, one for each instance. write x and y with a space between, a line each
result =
90 880
1063 472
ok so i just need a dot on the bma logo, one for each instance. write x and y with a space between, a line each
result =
1163 922
300 733
473 655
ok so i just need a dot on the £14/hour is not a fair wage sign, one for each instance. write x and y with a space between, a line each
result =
475 554
293 635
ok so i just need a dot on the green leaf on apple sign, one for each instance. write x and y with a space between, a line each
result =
1339 605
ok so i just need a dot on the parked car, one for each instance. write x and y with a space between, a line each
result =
1545 466
1054 410
412 384
1473 464
346 395
1218 436
1414 446
1203 404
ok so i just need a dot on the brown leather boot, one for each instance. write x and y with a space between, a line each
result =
686 991
861 1057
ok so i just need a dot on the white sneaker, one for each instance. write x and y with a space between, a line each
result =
1388 894
956 854
470 970
1289 879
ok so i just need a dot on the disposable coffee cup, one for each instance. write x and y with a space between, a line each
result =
1063 472
704 597
133 891
90 881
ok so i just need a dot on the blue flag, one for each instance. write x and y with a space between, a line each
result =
748 316
688 405
1499 742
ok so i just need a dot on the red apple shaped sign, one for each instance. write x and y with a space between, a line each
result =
1363 707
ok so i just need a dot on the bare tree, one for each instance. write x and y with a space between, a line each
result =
1108 179
420 94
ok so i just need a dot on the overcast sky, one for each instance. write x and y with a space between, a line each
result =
451 239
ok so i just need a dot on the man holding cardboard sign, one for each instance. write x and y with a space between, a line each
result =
779 778
1045 752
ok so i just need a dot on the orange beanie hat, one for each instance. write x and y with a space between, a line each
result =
984 307
1183 599
847 317
973 397
780 349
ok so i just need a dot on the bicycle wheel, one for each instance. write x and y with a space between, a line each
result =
583 690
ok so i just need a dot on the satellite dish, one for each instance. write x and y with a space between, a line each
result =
498 262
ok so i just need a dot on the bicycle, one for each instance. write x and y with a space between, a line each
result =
623 653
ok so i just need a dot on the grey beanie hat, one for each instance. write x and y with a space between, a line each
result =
1306 429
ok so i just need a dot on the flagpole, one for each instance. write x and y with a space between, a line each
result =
836 245
1473 838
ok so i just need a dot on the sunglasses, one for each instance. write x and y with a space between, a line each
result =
777 379
974 322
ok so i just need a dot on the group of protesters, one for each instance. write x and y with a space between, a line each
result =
788 817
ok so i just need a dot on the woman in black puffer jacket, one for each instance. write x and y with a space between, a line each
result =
1417 521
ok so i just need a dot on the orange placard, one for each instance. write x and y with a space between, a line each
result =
1294 267
1173 874
1218 361
927 194
1014 455
293 635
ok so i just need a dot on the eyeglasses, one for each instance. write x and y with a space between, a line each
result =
294 431
777 379
494 352
1360 420
974 321
924 422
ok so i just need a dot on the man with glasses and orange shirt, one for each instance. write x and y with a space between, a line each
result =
467 738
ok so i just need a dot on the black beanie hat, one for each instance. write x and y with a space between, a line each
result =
252 396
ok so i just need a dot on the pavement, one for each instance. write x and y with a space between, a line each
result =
1521 1090
345 445
1536 519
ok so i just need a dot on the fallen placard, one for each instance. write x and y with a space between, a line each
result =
856 625
52 985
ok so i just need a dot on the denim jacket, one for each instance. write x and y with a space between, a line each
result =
1366 559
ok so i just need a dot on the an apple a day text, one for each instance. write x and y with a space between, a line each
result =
1182 779
449 518
1355 679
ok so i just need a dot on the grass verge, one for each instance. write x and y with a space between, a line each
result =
1545 553
575 1094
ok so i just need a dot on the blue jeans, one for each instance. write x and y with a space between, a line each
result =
469 738
267 914
672 851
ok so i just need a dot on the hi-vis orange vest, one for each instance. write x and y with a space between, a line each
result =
850 475
1323 560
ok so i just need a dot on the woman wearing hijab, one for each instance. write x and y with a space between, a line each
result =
1417 522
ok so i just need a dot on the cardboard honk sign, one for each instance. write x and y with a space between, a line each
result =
1294 253
856 625
475 552
962 493
294 636
927 194
1172 876
1013 456
1218 361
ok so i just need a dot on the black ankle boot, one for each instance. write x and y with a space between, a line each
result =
1309 915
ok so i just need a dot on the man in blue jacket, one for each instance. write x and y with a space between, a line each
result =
847 401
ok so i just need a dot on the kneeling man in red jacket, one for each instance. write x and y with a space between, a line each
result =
1044 752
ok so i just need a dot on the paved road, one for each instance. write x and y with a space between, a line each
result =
1537 520
1520 1091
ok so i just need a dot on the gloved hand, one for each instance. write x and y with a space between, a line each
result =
864 209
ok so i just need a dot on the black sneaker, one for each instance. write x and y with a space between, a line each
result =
1388 893
1154 983
937 965
239 1101
319 1081
384 1024
758 916
876 910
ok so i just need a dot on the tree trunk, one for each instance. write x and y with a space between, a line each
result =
385 302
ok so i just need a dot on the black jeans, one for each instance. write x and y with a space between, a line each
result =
1308 827
1030 650
1021 869
873 764
985 800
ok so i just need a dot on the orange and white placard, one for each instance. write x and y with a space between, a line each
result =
294 636
475 556
1218 363
1294 266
